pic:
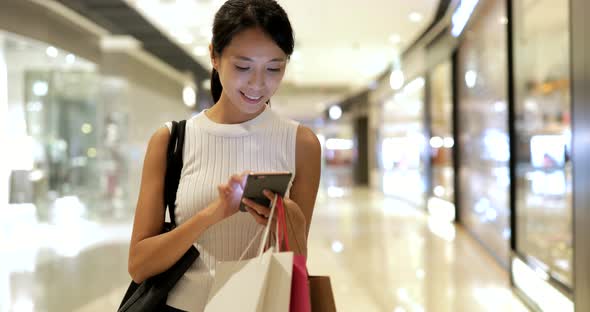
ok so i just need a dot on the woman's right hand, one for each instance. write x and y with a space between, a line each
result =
230 194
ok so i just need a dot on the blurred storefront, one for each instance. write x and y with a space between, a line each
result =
339 156
484 176
441 193
77 109
496 112
77 121
64 148
401 144
543 145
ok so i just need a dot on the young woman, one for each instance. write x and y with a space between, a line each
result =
252 42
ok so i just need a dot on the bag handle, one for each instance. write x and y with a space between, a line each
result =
287 220
266 230
265 238
282 234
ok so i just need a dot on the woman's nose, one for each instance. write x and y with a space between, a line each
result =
256 80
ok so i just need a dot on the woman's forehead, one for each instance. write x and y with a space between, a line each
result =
255 45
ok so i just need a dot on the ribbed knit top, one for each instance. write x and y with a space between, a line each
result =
212 153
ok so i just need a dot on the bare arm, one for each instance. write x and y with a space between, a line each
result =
150 252
308 171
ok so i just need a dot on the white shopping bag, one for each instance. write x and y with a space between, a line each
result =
261 284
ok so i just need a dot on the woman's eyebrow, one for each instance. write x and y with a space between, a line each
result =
244 58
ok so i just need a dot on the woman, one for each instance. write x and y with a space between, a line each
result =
252 42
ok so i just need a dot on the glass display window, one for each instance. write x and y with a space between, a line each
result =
484 177
441 143
67 147
542 112
402 144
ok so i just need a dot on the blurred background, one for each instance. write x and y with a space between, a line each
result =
449 181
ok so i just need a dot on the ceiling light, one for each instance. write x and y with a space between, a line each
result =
415 17
200 51
335 112
396 80
395 38
461 16
206 84
415 85
70 58
189 96
52 52
470 78
40 88
337 246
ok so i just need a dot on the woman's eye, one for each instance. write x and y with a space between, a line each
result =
276 70
242 68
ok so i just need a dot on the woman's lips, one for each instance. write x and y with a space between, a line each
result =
251 99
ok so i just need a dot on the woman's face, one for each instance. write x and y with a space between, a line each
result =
250 68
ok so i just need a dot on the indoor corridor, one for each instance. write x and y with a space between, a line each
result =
453 137
382 254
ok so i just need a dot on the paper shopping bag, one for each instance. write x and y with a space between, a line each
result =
261 284
239 285
278 287
322 297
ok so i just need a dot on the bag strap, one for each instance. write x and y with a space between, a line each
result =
283 235
174 162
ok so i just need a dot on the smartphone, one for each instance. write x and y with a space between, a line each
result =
276 182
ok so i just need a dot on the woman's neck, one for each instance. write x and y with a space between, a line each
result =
224 112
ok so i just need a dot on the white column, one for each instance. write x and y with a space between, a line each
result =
4 171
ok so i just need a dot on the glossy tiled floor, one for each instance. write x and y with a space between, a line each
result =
382 255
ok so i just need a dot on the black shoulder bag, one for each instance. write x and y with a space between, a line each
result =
152 293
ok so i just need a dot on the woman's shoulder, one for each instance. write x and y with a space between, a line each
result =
307 139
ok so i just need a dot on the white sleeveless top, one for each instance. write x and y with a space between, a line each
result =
212 153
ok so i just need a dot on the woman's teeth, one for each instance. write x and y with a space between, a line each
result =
253 97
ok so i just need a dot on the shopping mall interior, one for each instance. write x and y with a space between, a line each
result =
453 134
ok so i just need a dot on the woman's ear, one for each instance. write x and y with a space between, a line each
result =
213 57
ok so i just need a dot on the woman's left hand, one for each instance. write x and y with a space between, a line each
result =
296 225
261 213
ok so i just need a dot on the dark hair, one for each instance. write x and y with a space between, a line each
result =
235 16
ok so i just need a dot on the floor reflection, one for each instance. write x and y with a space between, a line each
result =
382 255
391 257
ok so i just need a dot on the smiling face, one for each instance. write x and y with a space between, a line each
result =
251 68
